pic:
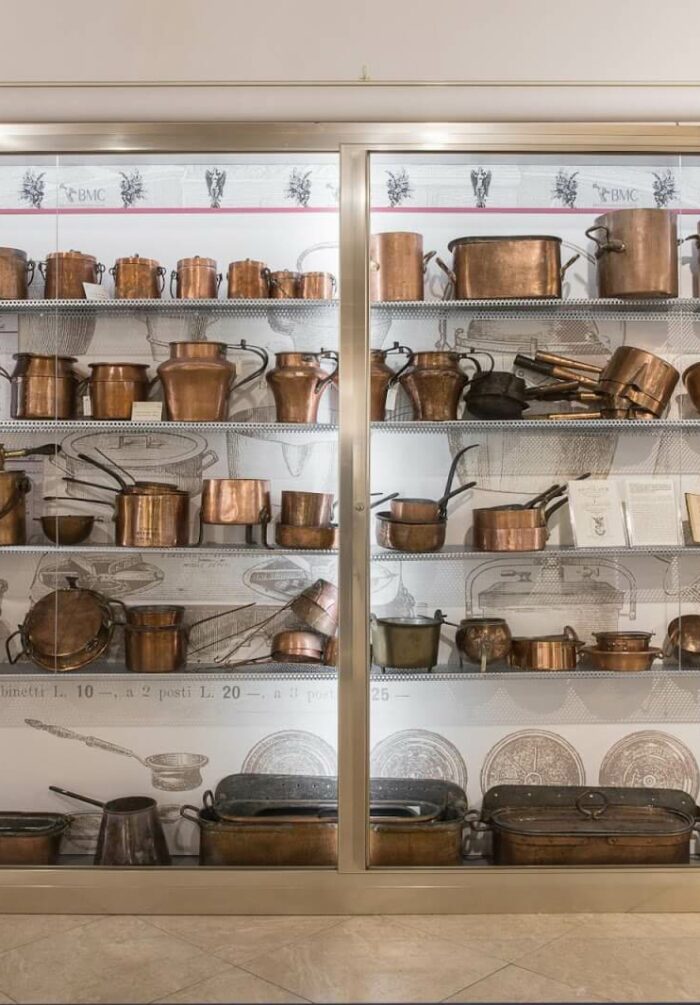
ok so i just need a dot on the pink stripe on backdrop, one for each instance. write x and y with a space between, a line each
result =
193 210
535 210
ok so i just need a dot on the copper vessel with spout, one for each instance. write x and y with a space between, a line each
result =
382 378
195 279
248 280
114 387
137 278
434 382
298 381
65 272
42 387
198 379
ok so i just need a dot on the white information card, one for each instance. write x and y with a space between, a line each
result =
595 508
652 511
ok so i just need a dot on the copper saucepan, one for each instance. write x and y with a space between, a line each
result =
546 652
426 510
309 537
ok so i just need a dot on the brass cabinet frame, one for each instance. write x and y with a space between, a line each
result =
352 888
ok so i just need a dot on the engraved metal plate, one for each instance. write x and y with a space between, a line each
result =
651 759
418 753
291 752
532 757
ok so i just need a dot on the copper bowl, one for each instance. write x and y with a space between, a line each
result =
67 528
691 379
413 537
298 646
306 538
628 642
621 660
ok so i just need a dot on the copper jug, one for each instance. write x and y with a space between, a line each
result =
284 285
137 278
14 486
248 280
397 266
195 279
65 272
298 381
198 379
114 387
16 274
42 387
434 382
382 377
317 285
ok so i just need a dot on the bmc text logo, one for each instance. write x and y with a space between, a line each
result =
615 194
80 194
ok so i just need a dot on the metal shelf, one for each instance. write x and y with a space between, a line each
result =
229 550
453 553
44 425
168 308
505 674
539 425
574 309
110 672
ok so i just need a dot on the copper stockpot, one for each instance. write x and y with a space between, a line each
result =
195 278
155 640
317 286
306 509
236 501
483 640
506 268
413 537
297 647
65 272
137 278
284 285
152 516
382 377
546 652
637 254
623 641
16 274
397 266
298 381
317 606
114 387
248 280
434 383
306 538
42 387
620 660
198 379
14 486
691 380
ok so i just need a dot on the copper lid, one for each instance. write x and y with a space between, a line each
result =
149 263
196 262
65 622
71 255
501 237
12 253
649 821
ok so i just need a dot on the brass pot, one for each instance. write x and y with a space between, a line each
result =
248 280
434 382
195 279
16 274
547 652
636 253
65 272
483 640
317 606
66 528
14 486
114 387
284 285
298 381
317 286
155 640
198 380
137 278
397 266
506 268
236 501
297 647
622 641
620 660
306 509
152 516
691 380
413 537
306 538
406 643
42 387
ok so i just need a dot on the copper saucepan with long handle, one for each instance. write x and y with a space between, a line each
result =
407 510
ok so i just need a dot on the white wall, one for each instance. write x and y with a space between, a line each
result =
142 41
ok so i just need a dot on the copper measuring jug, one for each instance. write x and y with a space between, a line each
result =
298 381
198 379
434 382
16 274
64 273
137 278
195 279
397 266
382 378
248 280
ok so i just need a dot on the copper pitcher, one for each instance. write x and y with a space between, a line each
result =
14 486
636 253
317 286
65 272
298 381
137 278
198 379
434 382
284 285
195 279
382 378
42 387
16 274
248 280
114 387
397 266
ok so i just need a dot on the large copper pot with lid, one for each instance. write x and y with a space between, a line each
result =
506 268
137 278
16 274
195 279
65 272
636 253
198 379
248 280
298 381
114 387
397 266
42 387
434 382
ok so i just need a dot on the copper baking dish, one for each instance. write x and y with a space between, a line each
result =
573 825
506 268
31 838
621 661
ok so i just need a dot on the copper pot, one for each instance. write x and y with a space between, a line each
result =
406 643
503 528
483 640
413 537
137 278
317 606
195 279
683 640
16 274
621 660
298 381
284 285
248 280
434 382
42 387
152 516
198 379
645 379
306 509
155 640
506 268
397 266
547 652
297 647
691 379
14 487
236 501
65 272
330 652
623 641
317 286
306 538
114 387
636 253
407 510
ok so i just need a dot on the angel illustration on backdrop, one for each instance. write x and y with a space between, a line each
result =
216 180
481 183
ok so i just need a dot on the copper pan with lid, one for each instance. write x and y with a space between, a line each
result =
137 278
64 273
195 278
515 267
16 274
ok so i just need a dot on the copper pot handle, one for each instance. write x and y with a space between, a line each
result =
258 351
22 652
219 277
173 277
187 816
567 265
5 374
160 272
426 258
31 266
609 244
452 285
100 270
482 352
691 237
41 266
402 350
323 382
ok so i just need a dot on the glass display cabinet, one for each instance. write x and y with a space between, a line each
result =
349 507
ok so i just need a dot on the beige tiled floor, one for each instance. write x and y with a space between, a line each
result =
452 958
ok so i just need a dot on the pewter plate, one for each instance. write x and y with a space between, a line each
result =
532 757
418 753
651 759
290 752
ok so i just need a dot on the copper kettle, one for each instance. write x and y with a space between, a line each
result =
298 381
198 379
